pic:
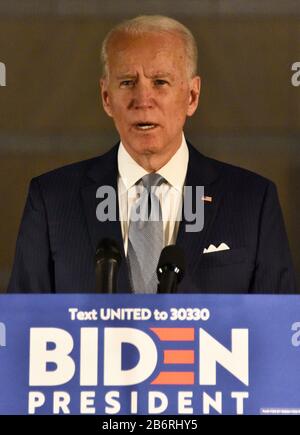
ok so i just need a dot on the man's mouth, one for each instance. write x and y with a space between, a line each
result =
145 126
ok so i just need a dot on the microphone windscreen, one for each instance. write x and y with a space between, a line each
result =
171 257
108 249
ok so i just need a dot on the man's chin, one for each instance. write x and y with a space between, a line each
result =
149 150
151 156
147 146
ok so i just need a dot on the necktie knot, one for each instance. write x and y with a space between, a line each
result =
151 180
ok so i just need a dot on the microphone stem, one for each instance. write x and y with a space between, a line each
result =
106 276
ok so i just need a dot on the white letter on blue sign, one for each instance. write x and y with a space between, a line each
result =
113 340
39 356
89 356
153 406
36 399
212 352
209 402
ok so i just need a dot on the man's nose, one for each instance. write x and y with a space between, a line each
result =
143 95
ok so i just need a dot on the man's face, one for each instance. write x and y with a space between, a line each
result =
148 92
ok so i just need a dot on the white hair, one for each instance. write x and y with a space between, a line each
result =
154 24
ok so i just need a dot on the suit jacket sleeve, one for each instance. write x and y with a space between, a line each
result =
274 271
33 270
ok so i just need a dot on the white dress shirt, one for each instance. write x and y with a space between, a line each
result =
170 192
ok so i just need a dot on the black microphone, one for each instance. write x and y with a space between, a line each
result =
170 269
108 259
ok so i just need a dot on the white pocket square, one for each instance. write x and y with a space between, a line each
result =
213 248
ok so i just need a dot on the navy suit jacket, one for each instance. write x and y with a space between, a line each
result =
59 232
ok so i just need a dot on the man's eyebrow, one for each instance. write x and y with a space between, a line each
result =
156 75
126 76
160 75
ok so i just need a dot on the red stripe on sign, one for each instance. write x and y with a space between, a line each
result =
174 334
179 357
174 378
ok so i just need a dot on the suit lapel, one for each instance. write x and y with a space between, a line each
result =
200 172
104 172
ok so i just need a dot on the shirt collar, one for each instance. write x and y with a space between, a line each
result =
174 171
129 170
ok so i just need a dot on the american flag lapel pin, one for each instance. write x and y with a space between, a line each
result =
206 198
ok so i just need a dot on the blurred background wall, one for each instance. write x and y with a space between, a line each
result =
50 112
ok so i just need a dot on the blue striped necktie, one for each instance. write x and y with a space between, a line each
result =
145 237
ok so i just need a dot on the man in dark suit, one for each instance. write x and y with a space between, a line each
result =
149 87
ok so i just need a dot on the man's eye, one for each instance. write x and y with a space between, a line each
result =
160 82
127 83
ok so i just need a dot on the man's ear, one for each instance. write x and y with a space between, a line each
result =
195 87
105 96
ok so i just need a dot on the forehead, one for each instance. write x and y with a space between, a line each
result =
156 52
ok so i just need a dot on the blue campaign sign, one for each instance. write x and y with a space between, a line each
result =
149 354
